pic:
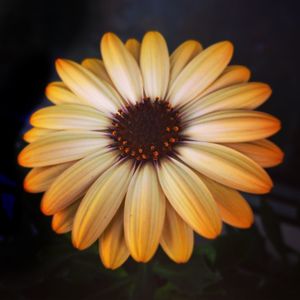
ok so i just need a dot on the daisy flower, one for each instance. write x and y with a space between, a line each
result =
143 148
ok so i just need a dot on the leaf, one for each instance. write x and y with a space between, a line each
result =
143 284
272 228
168 292
238 246
210 252
190 278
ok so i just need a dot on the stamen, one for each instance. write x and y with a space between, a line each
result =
126 150
147 130
155 153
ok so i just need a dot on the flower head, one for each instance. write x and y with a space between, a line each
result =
142 149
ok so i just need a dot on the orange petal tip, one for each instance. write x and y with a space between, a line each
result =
108 35
78 244
58 60
47 88
45 210
226 44
26 186
21 160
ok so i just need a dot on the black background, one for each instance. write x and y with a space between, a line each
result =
36 264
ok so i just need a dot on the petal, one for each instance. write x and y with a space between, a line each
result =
93 91
177 238
75 181
134 47
234 209
144 213
112 247
58 93
190 197
182 56
61 147
226 166
264 152
122 68
34 134
232 75
239 96
62 222
96 66
40 179
100 204
200 73
70 116
155 65
231 126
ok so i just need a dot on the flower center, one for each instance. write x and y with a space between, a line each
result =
147 130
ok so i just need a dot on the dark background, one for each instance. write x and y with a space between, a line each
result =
260 263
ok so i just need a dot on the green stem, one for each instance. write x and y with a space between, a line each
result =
144 284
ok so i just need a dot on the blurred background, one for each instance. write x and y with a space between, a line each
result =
259 263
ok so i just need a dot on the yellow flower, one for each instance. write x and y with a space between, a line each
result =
143 149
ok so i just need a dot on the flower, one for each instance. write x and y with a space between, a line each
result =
143 149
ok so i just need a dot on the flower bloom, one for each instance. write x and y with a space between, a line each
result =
143 148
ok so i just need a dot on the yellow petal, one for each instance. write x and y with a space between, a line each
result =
232 126
62 222
40 179
233 74
190 197
134 47
100 204
155 65
226 166
96 66
75 181
58 93
200 73
70 116
122 68
92 90
239 96
234 209
34 134
264 152
177 238
182 56
60 147
144 213
112 247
